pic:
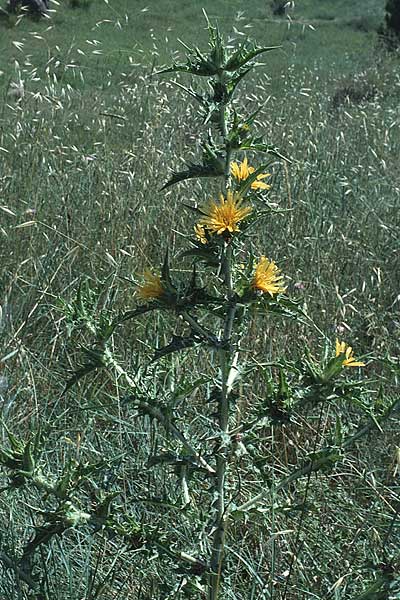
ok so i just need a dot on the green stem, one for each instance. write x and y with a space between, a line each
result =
225 363
221 518
157 414
197 328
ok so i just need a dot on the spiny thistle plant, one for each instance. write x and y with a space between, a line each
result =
232 285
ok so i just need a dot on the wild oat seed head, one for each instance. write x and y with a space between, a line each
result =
225 215
267 278
241 171
349 361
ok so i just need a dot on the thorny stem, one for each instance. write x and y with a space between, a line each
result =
197 328
157 414
225 362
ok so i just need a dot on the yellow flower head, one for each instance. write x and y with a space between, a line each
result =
152 287
224 216
241 171
349 361
200 233
266 277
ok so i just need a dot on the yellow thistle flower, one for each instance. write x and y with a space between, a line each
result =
224 216
349 361
241 171
266 277
200 233
152 287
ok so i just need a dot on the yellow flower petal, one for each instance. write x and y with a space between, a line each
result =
152 287
260 185
349 360
244 169
200 233
267 277
235 170
241 171
224 216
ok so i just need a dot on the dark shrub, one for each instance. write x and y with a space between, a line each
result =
354 92
278 7
364 24
34 6
80 3
390 31
392 18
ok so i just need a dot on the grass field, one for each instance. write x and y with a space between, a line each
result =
109 35
88 135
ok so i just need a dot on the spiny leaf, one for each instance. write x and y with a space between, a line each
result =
191 172
191 93
177 344
196 64
250 119
211 114
216 44
17 445
9 460
208 255
282 305
258 146
234 81
239 134
213 166
63 484
379 590
104 506
132 314
96 361
324 459
28 461
245 53
170 458
246 183
78 374
283 391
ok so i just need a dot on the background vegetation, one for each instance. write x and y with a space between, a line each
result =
87 133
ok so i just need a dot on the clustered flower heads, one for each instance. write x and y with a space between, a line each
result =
222 218
347 351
